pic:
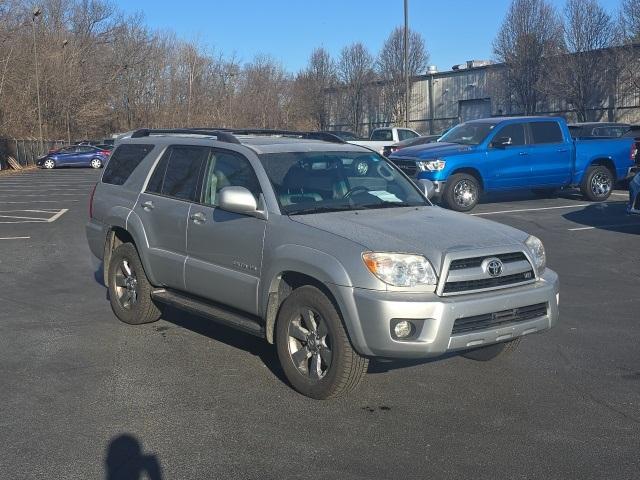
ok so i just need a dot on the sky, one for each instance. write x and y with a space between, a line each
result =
454 30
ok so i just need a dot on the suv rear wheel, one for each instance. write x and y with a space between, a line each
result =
313 346
129 288
484 354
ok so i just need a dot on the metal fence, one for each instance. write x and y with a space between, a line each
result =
24 151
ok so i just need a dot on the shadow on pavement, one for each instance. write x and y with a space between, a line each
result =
610 216
126 461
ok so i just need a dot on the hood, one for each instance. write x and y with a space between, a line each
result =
430 231
433 150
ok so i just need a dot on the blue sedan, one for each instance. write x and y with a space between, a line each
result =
634 196
75 156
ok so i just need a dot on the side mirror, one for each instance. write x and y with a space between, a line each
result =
237 200
502 142
427 187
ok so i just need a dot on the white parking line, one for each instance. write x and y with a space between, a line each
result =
614 225
52 195
578 205
620 194
42 201
14 238
58 215
51 216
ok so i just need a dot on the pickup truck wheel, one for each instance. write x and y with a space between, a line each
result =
597 183
484 354
129 288
462 192
313 346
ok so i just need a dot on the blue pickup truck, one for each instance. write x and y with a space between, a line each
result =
516 153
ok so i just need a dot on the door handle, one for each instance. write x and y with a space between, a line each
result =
148 206
563 149
198 217
524 153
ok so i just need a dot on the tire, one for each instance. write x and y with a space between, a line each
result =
597 183
309 334
545 192
462 192
484 354
96 163
126 276
49 164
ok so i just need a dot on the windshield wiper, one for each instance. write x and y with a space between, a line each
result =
322 209
390 205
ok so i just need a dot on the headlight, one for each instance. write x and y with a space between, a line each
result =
431 165
400 269
536 248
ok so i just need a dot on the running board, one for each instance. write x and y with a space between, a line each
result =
232 318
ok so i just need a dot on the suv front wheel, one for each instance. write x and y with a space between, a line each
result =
129 288
313 346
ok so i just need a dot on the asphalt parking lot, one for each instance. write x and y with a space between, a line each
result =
80 391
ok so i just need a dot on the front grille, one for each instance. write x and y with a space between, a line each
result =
407 166
492 320
463 286
473 262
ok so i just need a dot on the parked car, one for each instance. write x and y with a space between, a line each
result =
516 153
384 137
598 129
344 135
287 241
634 196
75 156
389 149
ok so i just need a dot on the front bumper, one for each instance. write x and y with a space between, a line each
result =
369 314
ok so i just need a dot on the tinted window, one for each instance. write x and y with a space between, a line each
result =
546 132
405 134
85 149
515 132
228 169
384 135
181 167
123 162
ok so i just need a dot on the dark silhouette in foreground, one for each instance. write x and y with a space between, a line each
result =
125 460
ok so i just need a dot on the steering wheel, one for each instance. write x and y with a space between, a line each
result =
385 172
355 189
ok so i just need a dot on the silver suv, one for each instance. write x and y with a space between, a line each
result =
324 248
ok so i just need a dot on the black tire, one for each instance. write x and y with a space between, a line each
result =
597 183
140 309
345 368
453 196
484 354
545 192
96 163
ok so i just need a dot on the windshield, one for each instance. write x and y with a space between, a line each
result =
468 133
314 182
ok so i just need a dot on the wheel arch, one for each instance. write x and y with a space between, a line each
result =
474 172
604 162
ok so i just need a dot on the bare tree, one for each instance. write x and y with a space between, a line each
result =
312 88
530 33
355 70
629 20
588 31
390 69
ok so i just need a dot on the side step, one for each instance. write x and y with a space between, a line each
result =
232 318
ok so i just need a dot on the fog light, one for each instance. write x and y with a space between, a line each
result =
402 329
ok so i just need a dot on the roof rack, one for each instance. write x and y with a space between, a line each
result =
229 134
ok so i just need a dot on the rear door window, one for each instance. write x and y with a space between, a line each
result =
178 173
545 132
514 131
124 160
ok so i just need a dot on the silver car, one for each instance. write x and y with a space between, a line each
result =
321 247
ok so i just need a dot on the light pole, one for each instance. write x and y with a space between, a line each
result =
35 14
406 63
66 97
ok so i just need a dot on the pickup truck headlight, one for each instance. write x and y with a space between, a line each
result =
431 165
536 248
400 269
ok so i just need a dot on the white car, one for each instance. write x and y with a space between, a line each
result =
384 137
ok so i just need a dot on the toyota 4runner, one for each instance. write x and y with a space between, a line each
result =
323 248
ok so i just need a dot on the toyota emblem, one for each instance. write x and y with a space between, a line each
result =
493 267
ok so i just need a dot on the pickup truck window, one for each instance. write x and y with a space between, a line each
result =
178 172
546 132
383 134
315 182
514 131
228 169
473 133
404 134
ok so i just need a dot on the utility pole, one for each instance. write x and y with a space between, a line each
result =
406 63
35 14
66 96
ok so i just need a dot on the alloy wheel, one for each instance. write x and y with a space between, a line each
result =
49 164
126 285
309 345
96 163
464 193
601 184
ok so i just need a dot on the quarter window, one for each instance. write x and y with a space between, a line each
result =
546 132
124 160
228 169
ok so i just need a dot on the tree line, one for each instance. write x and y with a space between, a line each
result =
101 71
